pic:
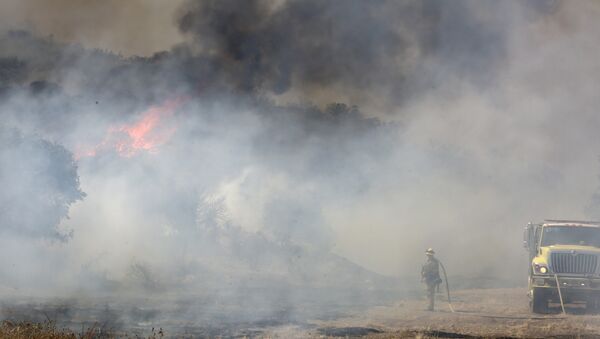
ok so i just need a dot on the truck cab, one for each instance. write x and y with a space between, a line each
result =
563 263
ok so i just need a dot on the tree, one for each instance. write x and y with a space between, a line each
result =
39 183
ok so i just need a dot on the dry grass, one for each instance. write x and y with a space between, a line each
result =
48 330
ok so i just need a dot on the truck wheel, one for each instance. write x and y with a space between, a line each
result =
539 301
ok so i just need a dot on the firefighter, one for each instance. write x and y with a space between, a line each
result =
430 275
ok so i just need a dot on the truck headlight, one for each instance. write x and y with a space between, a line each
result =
540 268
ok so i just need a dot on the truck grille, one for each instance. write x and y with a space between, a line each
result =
574 263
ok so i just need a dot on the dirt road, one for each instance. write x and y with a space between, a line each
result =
496 313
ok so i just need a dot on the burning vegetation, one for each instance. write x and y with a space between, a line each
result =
146 134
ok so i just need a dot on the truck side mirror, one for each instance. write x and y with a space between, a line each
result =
527 236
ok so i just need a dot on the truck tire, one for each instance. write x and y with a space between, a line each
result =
539 301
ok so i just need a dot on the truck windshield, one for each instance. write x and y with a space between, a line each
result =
571 235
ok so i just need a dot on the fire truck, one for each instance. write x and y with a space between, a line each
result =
563 264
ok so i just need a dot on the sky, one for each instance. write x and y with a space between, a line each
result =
133 27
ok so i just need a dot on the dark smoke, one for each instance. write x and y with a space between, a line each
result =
396 48
387 52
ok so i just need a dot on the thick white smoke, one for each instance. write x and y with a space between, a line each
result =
482 124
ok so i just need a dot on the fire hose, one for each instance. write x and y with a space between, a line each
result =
491 315
447 286
562 304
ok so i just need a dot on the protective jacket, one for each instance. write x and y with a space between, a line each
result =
430 272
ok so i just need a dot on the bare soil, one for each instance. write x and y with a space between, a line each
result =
489 313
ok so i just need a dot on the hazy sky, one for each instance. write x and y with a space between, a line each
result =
139 27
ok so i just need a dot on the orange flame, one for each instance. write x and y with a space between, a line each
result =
147 134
